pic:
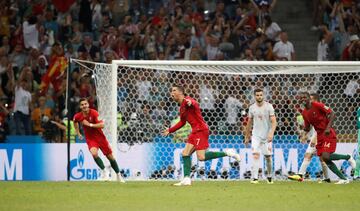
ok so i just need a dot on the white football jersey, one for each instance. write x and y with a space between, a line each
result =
261 119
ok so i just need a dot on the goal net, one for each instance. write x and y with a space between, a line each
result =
134 99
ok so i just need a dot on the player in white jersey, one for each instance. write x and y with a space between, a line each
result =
263 123
311 136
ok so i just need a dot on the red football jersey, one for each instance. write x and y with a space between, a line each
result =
192 115
317 117
91 134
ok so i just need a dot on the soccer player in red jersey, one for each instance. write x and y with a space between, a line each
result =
198 140
95 138
321 118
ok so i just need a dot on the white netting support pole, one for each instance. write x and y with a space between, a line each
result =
113 107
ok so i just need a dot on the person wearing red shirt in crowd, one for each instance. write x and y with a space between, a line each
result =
95 138
321 118
198 139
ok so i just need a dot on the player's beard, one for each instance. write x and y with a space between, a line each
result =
260 100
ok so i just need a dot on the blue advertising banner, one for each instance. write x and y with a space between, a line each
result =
161 159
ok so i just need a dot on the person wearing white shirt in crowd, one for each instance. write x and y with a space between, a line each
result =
233 107
272 29
31 33
22 104
284 49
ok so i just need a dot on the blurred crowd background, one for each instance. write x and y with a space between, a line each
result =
38 36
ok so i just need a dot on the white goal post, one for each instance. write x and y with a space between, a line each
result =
146 90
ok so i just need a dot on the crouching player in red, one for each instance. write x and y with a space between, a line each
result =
321 118
198 139
95 138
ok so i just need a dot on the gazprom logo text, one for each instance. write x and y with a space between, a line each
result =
77 170
11 168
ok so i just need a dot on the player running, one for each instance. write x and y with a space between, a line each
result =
321 118
311 150
95 138
198 140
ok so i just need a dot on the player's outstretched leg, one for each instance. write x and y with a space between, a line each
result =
213 155
327 158
232 153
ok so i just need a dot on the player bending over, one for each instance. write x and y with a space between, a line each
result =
95 138
321 118
263 123
311 150
198 140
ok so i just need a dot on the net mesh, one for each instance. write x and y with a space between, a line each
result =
224 92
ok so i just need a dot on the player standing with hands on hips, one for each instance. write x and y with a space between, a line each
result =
198 139
263 123
95 138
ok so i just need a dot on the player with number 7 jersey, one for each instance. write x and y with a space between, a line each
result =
198 140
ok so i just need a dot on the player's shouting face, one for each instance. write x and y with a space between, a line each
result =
176 94
84 106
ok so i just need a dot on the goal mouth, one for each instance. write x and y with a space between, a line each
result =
134 98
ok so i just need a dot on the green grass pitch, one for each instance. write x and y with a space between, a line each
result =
156 195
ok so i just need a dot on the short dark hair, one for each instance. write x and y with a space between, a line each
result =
305 93
179 87
83 99
258 90
316 96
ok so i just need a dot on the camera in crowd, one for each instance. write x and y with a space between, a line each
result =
51 131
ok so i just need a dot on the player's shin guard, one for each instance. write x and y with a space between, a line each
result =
115 166
335 170
304 166
255 168
99 162
325 170
269 166
213 155
187 165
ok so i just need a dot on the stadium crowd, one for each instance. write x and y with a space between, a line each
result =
36 37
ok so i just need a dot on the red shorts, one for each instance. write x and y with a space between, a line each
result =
103 145
200 139
326 143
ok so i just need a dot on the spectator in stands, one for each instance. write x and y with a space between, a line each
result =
4 112
31 32
284 49
272 29
348 51
85 15
263 9
39 114
89 49
323 45
22 104
233 107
